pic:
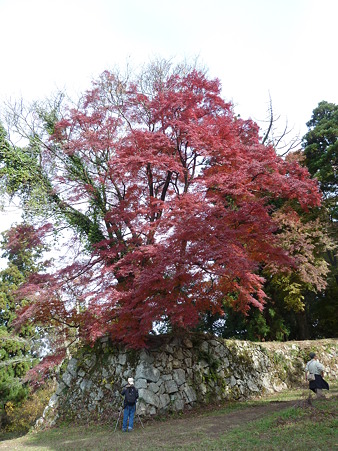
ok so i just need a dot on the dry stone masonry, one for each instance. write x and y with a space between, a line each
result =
178 373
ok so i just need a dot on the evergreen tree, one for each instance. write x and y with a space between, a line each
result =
321 157
17 355
321 152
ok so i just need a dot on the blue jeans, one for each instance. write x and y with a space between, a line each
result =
129 411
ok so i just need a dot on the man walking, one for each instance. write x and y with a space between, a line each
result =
130 394
314 372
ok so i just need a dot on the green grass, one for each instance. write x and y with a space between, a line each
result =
293 429
297 425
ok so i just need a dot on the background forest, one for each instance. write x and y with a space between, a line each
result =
149 206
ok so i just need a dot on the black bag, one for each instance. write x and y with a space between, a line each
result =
131 396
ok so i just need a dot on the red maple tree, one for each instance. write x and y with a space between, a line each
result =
179 195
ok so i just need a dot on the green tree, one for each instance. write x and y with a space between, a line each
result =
321 157
304 302
321 152
23 250
290 293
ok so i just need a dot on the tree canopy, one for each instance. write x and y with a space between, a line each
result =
172 198
321 151
321 157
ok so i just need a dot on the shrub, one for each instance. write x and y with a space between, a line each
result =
22 417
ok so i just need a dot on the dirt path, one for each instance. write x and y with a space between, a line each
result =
212 426
217 425
190 429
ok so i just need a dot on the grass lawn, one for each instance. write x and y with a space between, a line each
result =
285 421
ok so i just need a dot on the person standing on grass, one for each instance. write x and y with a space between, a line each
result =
130 394
317 369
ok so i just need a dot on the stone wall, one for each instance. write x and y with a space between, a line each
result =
178 373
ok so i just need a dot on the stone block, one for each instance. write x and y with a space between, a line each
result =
141 383
54 401
266 381
146 357
179 354
149 397
252 386
39 423
171 387
278 387
188 343
97 395
61 386
72 367
167 377
161 390
188 362
141 407
179 376
122 359
237 372
179 404
164 401
86 384
214 343
204 347
189 372
203 389
203 364
220 350
241 389
169 349
118 370
127 373
146 371
152 411
112 359
90 360
105 373
153 387
187 353
190 394
177 363
67 378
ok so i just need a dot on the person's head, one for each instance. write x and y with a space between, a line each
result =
130 381
312 355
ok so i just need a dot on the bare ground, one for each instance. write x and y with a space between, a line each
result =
172 434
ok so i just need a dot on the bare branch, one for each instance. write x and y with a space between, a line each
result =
279 139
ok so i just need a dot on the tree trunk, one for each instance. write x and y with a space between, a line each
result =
303 327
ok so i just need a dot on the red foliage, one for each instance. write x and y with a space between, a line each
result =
184 192
24 237
37 375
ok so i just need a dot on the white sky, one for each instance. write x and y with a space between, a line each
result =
285 47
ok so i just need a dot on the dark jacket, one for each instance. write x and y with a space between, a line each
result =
124 393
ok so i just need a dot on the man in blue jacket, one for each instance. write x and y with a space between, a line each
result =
130 394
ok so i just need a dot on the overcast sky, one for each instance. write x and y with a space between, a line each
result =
287 48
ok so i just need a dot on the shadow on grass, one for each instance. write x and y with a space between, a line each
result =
265 422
